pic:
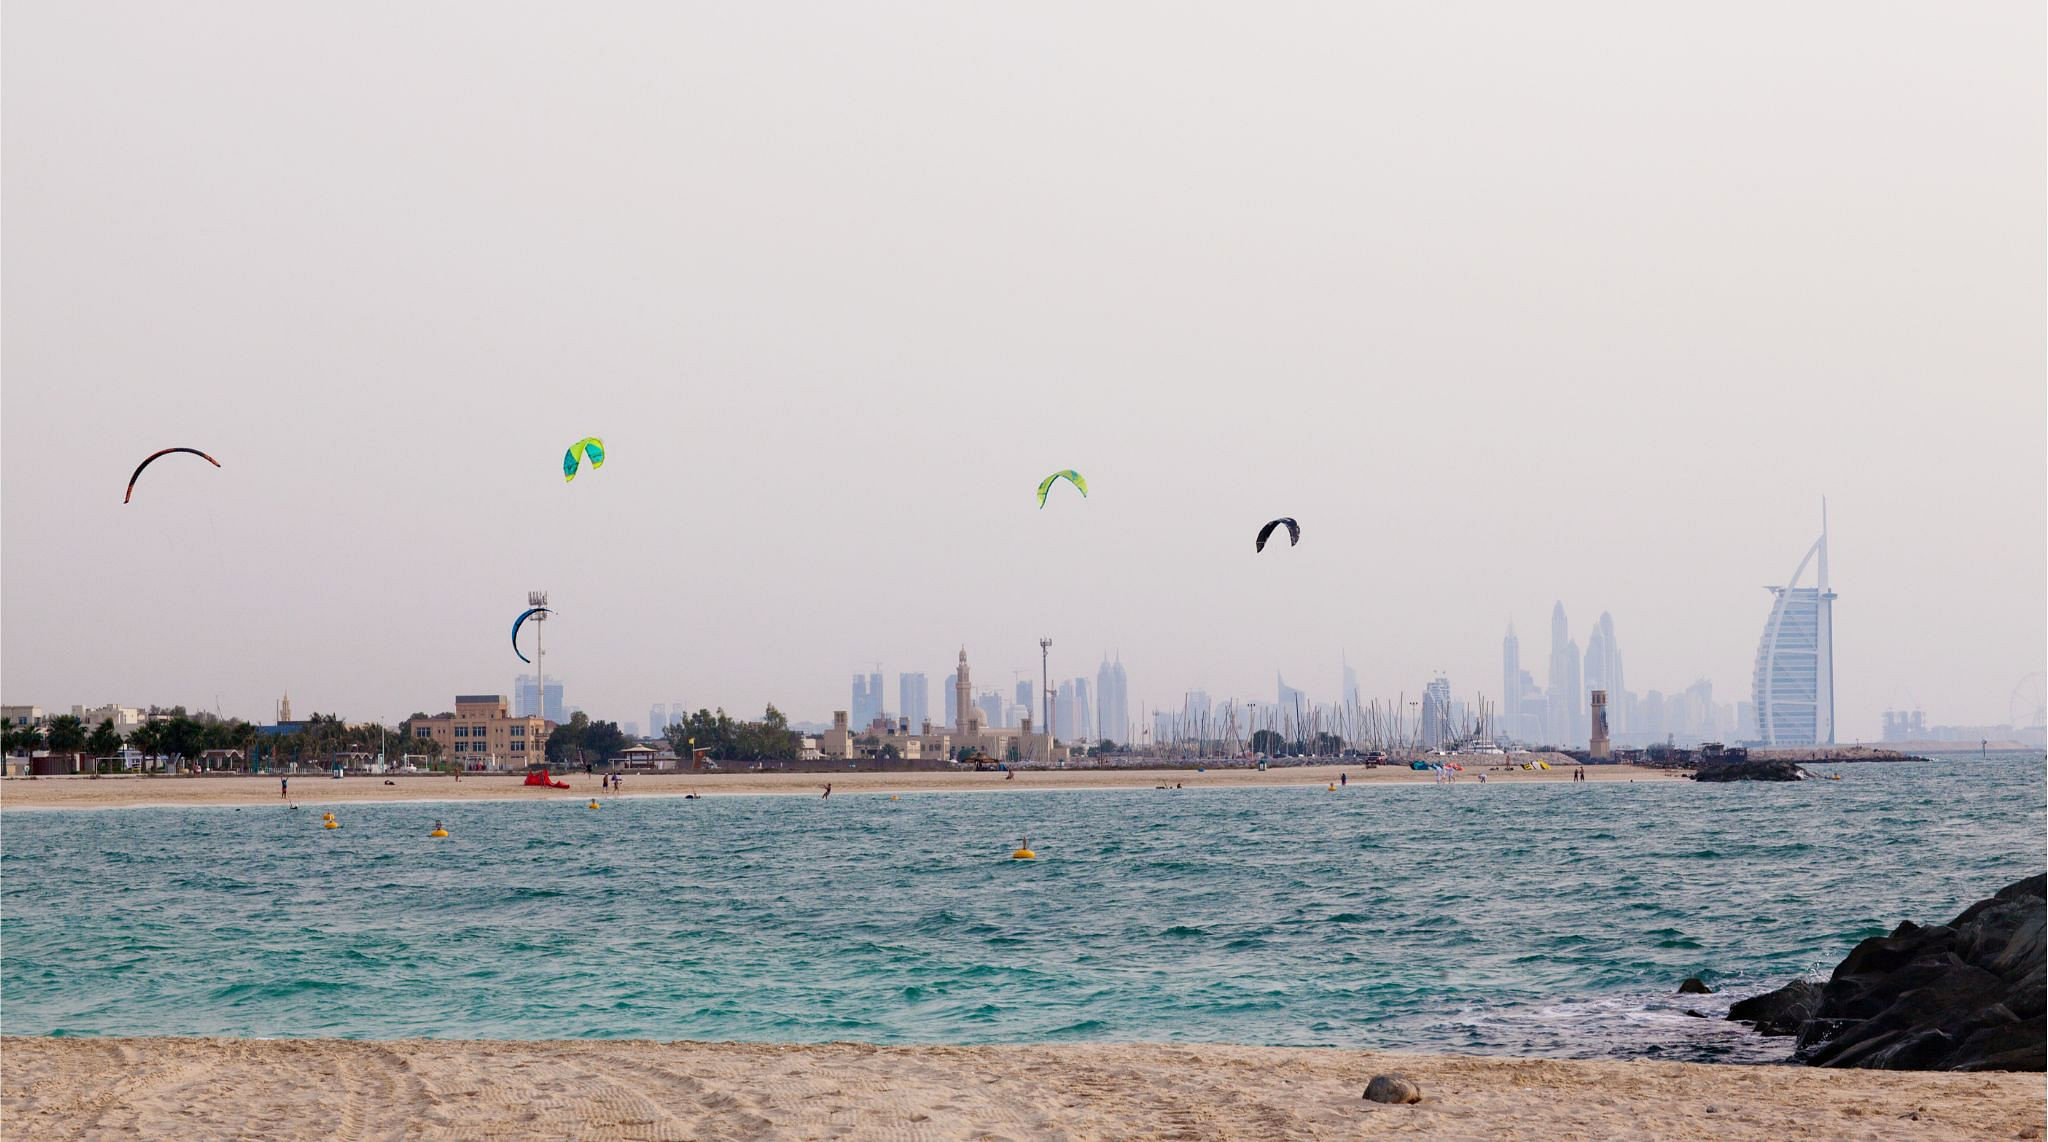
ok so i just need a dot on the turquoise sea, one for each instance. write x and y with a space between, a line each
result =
1547 920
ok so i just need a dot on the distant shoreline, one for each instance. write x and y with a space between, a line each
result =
167 792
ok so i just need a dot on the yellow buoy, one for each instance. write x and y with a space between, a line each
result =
438 830
330 823
593 803
892 797
1333 789
1023 854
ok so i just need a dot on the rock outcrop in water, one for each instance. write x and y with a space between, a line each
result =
1751 769
1781 1012
1967 995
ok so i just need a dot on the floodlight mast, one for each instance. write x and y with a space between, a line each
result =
540 672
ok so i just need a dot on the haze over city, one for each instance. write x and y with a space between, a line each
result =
1498 319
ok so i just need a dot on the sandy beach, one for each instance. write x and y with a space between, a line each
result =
288 1089
86 792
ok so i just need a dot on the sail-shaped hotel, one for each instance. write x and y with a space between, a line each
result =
1795 661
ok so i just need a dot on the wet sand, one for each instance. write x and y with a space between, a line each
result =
84 792
321 1088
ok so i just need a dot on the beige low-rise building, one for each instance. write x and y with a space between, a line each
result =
928 742
483 733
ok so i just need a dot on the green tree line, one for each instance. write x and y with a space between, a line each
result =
175 735
769 739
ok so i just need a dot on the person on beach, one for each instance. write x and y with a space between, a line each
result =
1343 779
828 789
284 788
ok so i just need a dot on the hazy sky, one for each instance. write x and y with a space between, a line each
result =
1506 303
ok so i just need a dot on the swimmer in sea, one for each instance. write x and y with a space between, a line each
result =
828 789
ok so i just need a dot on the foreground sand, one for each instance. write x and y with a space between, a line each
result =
227 1088
313 789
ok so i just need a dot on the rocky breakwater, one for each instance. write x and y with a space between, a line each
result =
1750 769
1962 996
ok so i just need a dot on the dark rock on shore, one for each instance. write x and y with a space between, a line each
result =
1750 769
1968 995
1781 1012
1395 1089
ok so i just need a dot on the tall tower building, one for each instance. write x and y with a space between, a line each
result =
528 699
1025 698
1511 684
657 719
1603 658
1794 684
1084 711
1123 700
1291 704
1564 690
864 705
1348 693
1436 712
990 706
913 699
1112 702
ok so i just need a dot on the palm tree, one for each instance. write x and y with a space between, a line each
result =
148 738
66 734
104 742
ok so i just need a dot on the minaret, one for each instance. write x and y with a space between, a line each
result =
284 709
963 698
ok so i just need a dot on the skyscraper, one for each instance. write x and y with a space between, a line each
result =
913 699
1567 696
657 719
1436 712
1348 693
1084 711
1292 703
1025 697
1603 660
1123 700
527 701
991 706
1794 684
876 694
1112 702
1063 723
865 704
1511 684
